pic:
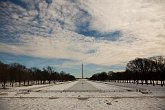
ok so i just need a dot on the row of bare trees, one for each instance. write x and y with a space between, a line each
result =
18 74
141 70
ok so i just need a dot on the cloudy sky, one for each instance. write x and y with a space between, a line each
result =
102 34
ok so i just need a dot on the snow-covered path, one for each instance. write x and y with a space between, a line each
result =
82 86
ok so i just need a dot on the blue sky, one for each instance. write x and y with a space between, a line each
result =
41 63
104 35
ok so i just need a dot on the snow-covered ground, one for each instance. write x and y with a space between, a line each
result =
111 88
88 104
58 87
114 96
154 90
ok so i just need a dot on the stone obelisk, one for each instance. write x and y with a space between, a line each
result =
82 72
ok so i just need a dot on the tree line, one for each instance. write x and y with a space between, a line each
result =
140 70
19 74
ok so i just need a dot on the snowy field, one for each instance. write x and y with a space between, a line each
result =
84 95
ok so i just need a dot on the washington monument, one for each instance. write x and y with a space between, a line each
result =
82 72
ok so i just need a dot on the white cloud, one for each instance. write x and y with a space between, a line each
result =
141 22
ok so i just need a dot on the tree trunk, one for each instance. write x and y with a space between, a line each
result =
162 83
12 83
28 82
4 84
146 81
153 83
